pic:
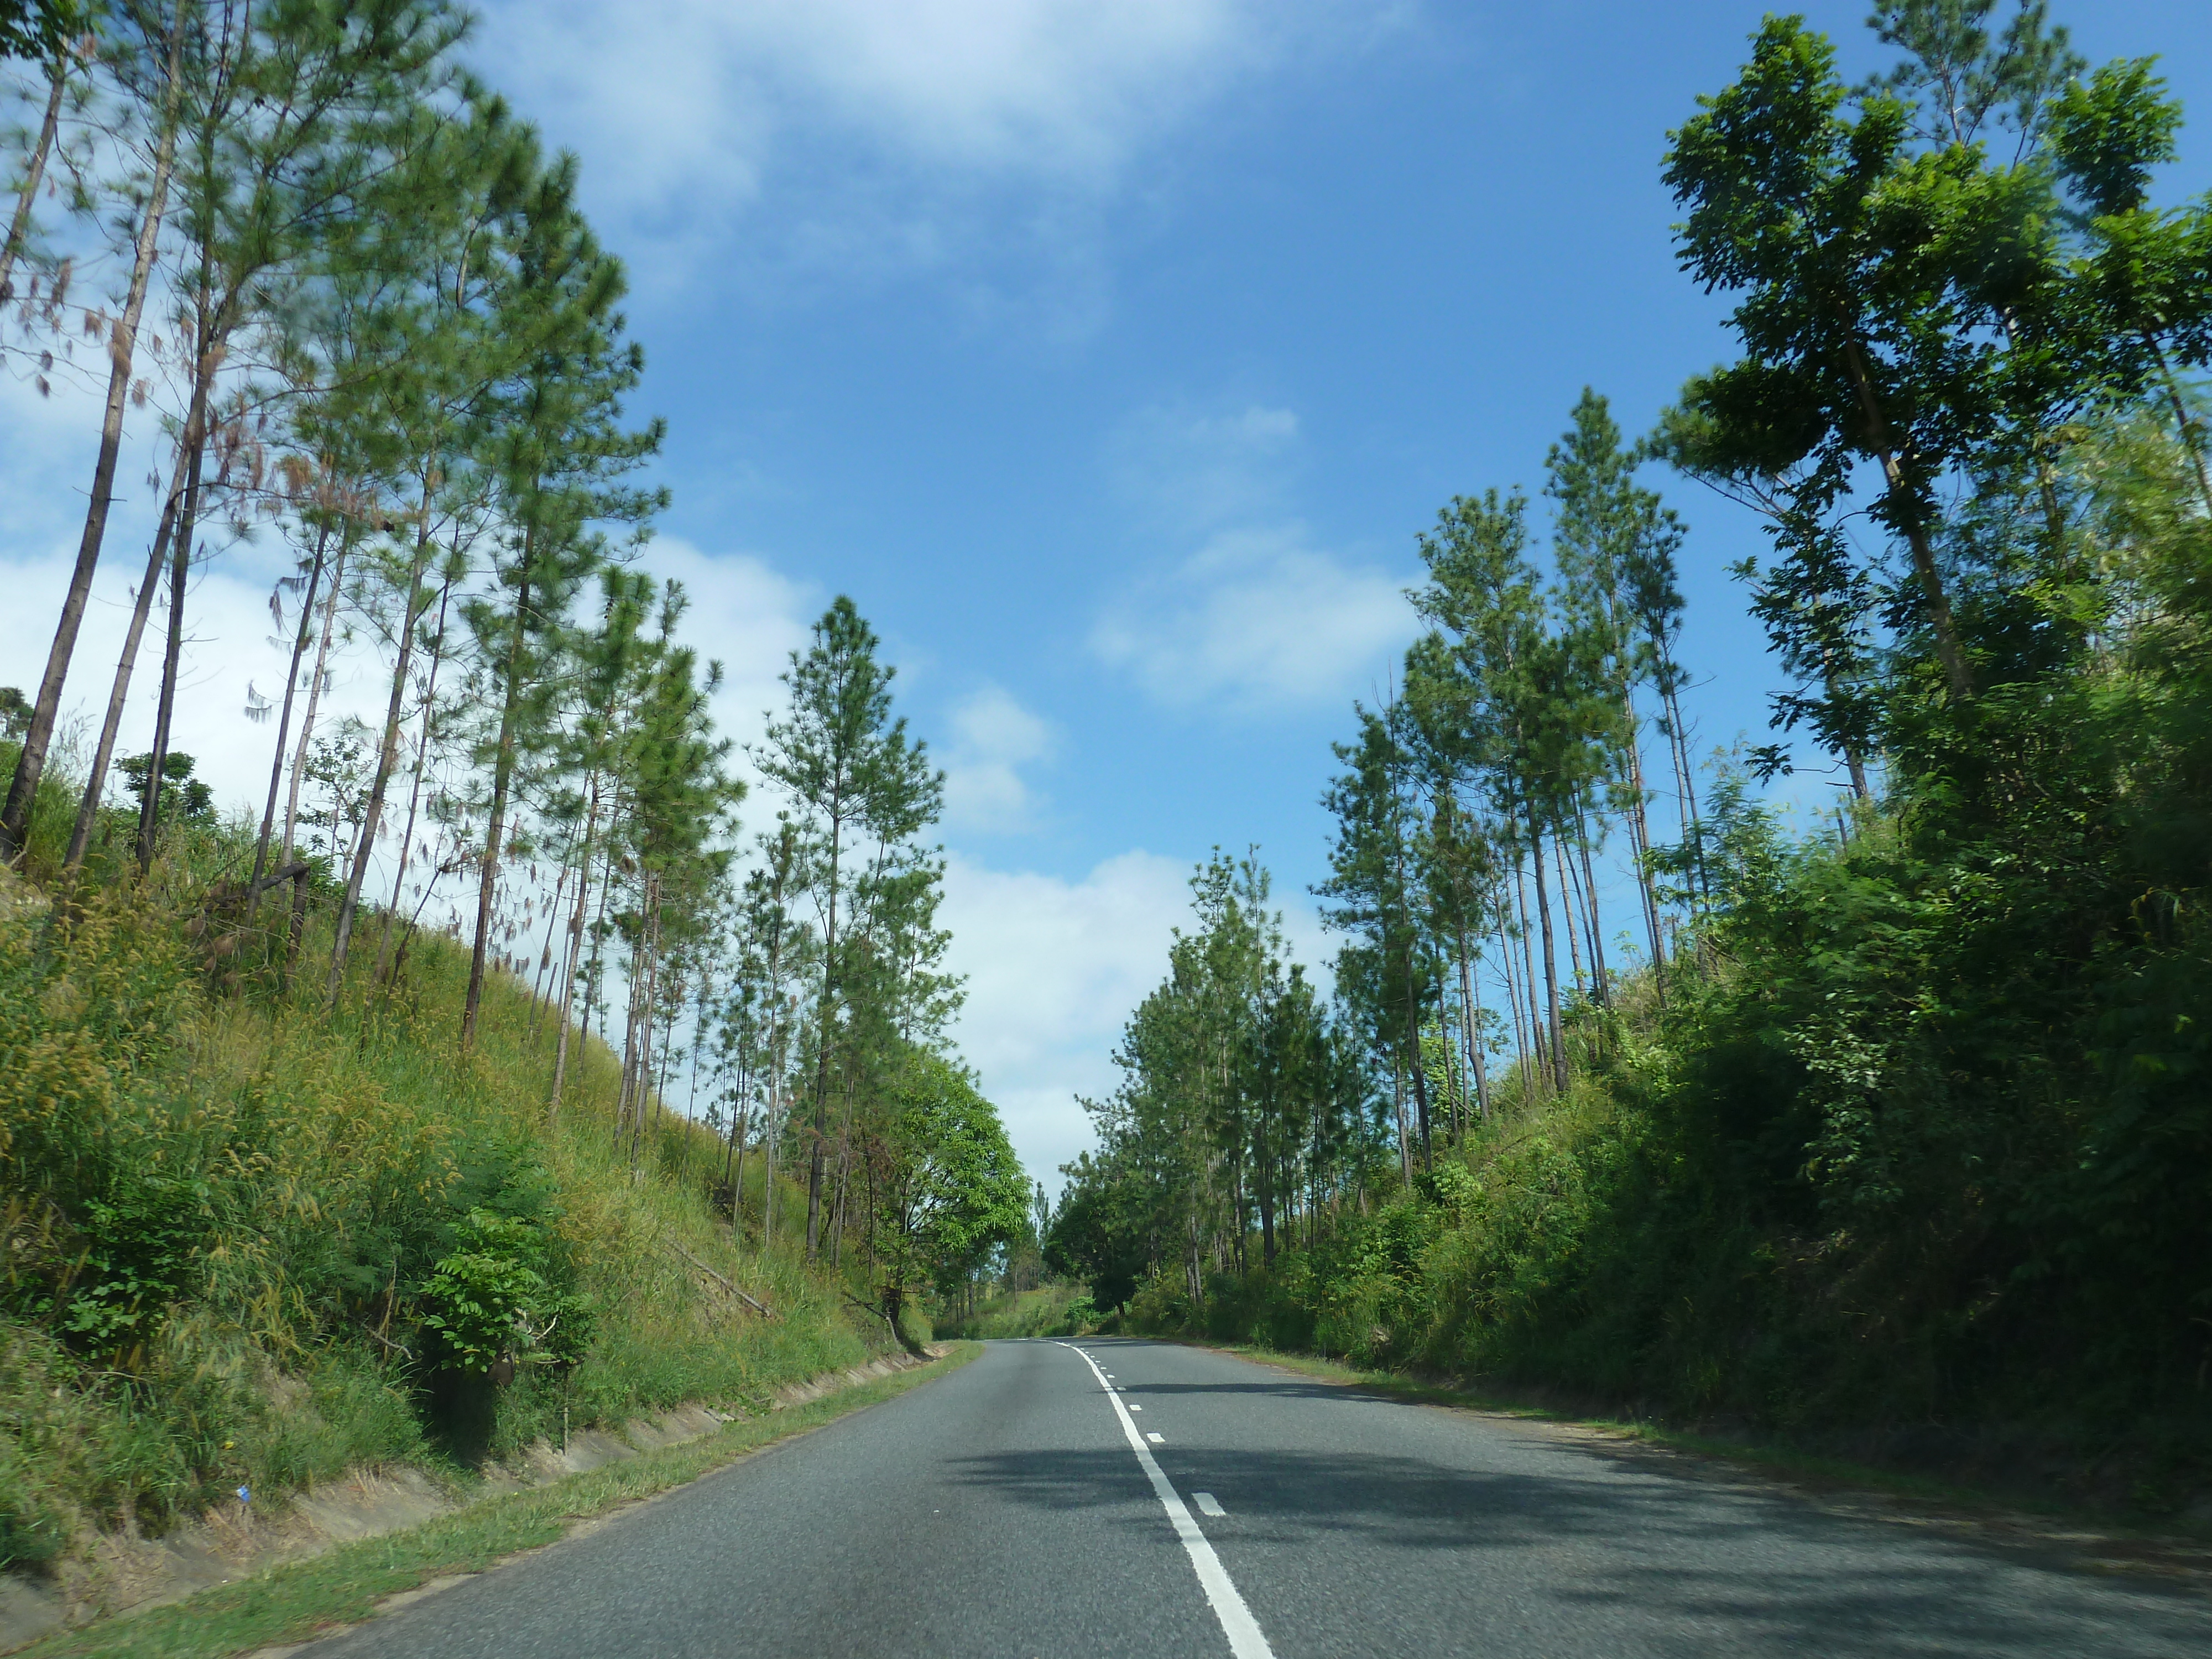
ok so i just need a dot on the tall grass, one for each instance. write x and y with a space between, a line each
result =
1056 1310
221 1196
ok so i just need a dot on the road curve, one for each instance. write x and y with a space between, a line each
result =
1018 1507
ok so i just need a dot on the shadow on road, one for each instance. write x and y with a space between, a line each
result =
1692 1565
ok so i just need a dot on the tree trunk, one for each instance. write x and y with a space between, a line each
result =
1455 1078
742 1118
1854 762
573 954
284 715
1916 532
641 969
698 1044
1398 1114
594 975
180 559
1639 832
629 1045
387 757
415 788
119 693
1513 1000
1473 1004
823 1016
626 1088
315 694
1597 917
1421 1086
1266 1205
771 1138
1570 901
641 1083
2185 425
1552 1026
503 779
34 173
1688 774
122 348
1538 1044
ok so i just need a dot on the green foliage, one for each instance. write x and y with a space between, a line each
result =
1912 1128
1101 1233
500 1297
951 1189
242 1239
142 1240
40 28
1051 1310
191 798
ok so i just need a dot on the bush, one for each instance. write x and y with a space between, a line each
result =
505 1298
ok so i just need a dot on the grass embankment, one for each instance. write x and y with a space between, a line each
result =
1597 1256
248 1233
345 1585
1060 1309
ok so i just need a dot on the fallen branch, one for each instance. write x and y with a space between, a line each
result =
291 872
757 1306
399 1348
898 1335
869 1307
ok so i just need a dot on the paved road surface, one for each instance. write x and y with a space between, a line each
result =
1006 1510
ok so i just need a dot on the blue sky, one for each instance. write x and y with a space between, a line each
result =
1111 356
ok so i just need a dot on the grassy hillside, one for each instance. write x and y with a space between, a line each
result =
1059 1309
250 1239
1882 1179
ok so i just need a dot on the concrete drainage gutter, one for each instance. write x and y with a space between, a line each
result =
125 1575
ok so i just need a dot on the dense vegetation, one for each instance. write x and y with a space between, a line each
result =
320 1142
1901 1119
251 1243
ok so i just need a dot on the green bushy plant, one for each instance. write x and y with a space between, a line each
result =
505 1297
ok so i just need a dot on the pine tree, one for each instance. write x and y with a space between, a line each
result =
851 769
561 453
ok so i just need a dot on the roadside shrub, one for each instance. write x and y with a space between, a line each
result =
505 1298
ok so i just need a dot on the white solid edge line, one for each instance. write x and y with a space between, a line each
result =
1237 1623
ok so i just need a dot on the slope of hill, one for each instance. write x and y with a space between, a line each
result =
251 1238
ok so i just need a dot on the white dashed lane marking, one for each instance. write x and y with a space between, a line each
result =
1245 1640
1207 1503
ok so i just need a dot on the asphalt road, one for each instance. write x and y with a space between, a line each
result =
1006 1510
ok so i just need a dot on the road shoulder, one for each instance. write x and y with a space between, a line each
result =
2056 1538
307 1600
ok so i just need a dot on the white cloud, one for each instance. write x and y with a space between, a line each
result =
226 646
1258 618
1054 968
994 738
749 618
689 111
742 612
